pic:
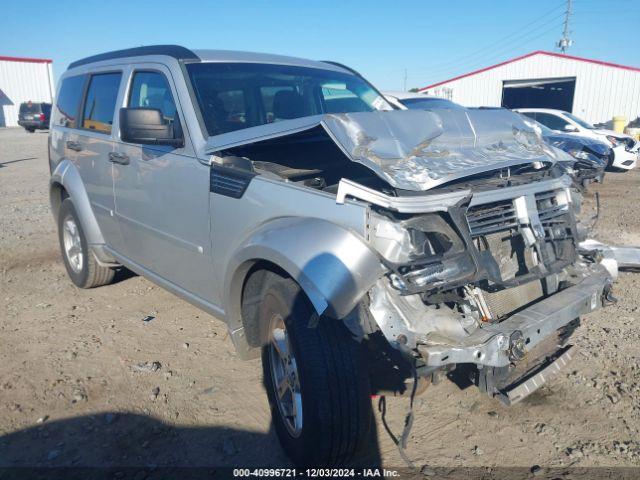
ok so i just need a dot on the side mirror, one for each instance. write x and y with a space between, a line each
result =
147 127
569 128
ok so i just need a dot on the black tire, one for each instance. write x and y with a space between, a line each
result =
333 379
90 274
30 130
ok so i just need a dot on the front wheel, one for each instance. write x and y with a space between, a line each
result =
82 267
315 377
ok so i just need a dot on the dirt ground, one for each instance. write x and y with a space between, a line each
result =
79 386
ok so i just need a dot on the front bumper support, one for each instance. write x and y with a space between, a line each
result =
494 345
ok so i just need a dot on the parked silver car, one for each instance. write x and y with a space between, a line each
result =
335 236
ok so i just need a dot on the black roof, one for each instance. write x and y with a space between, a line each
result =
175 51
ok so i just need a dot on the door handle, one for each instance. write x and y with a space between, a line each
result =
120 158
71 145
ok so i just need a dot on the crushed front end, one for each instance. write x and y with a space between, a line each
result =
487 280
474 221
480 241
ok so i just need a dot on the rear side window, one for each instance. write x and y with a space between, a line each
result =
68 101
100 104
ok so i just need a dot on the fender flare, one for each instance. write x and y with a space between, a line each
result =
67 176
332 265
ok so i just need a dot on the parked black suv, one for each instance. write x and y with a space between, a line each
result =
34 116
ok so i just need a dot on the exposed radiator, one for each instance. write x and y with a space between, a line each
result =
504 302
509 252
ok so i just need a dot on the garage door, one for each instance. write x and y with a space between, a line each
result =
540 93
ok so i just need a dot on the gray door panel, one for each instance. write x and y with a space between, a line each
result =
97 175
162 208
162 202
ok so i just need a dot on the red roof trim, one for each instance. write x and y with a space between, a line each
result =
537 52
25 59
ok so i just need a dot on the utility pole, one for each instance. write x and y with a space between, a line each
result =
565 42
404 83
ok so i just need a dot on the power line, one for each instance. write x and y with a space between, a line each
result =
524 40
486 61
501 40
518 40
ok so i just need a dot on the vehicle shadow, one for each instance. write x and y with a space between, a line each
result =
117 445
123 274
128 445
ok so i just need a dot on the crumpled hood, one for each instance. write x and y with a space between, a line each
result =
414 149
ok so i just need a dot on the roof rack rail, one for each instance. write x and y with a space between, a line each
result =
175 51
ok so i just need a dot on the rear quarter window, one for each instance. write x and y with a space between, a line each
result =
68 101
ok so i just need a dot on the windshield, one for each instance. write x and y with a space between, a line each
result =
579 121
427 103
233 96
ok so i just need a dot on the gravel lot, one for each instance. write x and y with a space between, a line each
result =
79 386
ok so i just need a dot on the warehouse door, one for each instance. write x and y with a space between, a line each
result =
544 93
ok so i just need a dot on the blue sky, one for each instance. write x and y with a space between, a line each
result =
432 40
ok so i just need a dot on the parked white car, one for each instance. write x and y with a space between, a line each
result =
418 101
625 147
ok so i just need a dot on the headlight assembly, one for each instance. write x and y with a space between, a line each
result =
423 252
418 237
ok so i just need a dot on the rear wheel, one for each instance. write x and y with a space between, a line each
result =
81 264
315 378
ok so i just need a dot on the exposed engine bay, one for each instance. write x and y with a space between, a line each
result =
475 224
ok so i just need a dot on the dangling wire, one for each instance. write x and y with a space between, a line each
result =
597 215
408 421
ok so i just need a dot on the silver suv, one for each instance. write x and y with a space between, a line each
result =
359 249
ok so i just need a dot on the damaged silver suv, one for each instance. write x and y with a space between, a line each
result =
334 235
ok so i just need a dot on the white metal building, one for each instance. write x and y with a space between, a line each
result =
591 89
21 80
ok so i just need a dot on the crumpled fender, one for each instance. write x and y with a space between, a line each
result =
66 175
333 266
